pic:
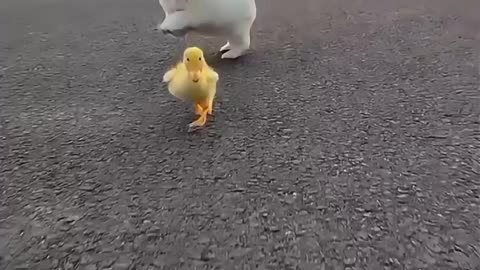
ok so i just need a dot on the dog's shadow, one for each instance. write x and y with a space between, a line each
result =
215 60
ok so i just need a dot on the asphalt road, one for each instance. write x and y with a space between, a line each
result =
347 139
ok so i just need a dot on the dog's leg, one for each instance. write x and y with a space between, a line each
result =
238 41
176 23
225 47
237 46
172 6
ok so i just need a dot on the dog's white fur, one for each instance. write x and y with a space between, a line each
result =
231 19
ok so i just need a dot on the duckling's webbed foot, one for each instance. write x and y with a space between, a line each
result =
200 122
192 128
195 125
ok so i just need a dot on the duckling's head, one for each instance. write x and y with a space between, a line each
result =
194 61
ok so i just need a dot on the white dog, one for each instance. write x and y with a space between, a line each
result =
232 19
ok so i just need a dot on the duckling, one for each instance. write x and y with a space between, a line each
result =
231 19
193 80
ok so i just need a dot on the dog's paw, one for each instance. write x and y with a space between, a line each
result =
172 32
175 24
233 53
225 47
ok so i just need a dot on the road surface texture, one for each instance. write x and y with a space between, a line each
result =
348 138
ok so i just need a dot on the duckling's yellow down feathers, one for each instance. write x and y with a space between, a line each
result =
183 88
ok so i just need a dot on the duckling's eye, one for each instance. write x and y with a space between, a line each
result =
199 58
188 59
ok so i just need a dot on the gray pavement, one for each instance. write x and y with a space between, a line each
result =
347 139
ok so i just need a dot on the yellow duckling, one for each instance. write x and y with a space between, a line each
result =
193 80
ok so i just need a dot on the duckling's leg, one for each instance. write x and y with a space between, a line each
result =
210 107
198 109
211 98
200 122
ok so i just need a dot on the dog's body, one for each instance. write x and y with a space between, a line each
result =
232 19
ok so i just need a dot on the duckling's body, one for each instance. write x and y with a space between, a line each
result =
192 80
185 89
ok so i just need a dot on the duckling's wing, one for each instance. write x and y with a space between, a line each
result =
212 75
176 92
173 72
215 76
176 82
168 76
